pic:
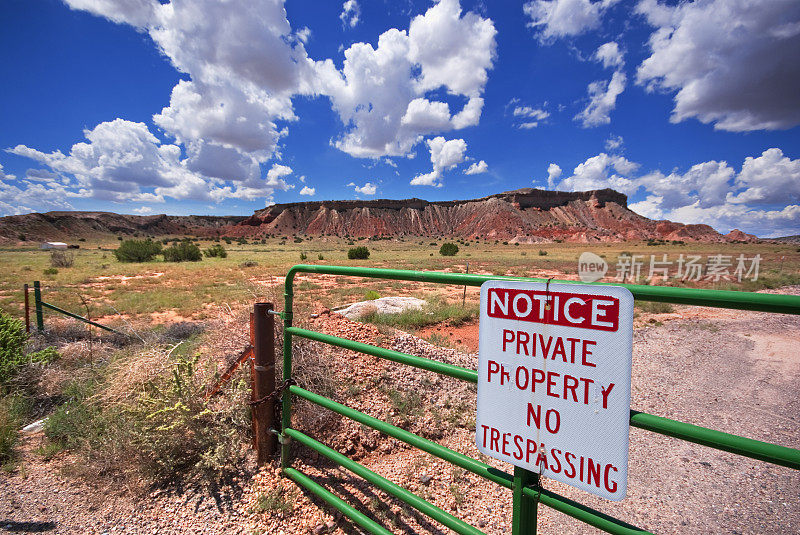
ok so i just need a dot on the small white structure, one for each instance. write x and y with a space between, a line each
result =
53 245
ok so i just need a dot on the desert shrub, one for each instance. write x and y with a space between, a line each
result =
303 256
248 263
12 349
50 271
156 426
137 250
448 249
183 252
61 259
12 346
372 295
320 257
358 253
298 239
216 250
542 252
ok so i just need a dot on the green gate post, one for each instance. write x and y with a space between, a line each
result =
523 520
37 298
286 400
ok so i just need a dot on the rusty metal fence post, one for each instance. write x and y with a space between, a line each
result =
264 383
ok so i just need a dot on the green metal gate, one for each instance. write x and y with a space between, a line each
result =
527 493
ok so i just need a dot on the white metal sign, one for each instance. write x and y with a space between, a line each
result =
554 381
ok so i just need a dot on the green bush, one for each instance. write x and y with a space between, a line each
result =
12 346
50 271
12 349
358 253
137 250
183 252
448 249
216 250
372 295
166 433
303 256
542 252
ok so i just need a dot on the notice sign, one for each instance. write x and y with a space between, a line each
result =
554 381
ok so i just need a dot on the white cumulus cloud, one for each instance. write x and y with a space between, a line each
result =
609 54
351 12
733 64
382 93
711 192
367 189
565 18
553 173
477 168
444 155
308 191
602 100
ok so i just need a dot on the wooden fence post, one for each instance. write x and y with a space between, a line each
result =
264 366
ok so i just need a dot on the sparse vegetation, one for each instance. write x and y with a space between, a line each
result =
143 416
277 500
654 307
437 311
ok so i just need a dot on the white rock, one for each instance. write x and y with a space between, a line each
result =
384 305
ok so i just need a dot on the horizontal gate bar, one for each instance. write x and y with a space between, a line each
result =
786 304
427 508
333 500
459 459
79 318
443 368
747 447
583 513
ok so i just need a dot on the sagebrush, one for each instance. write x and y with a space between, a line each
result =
184 251
137 250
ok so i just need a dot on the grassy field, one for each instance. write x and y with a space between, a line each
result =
164 291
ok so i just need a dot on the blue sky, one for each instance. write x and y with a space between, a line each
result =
210 107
